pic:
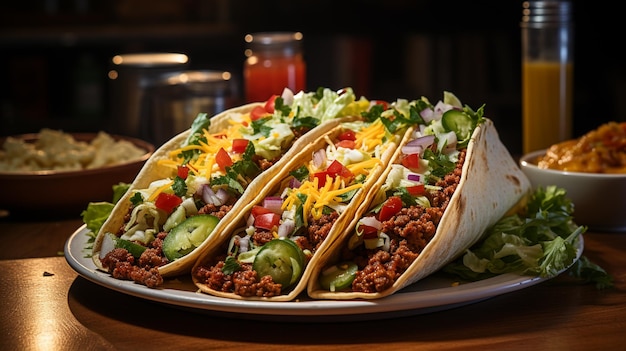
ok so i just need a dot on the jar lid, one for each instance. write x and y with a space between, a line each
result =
288 42
546 11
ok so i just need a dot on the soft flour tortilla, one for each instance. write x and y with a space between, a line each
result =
491 184
151 172
342 222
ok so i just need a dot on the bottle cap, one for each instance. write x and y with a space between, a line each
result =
546 12
286 42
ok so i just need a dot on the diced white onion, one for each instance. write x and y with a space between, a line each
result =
427 114
286 228
273 203
209 196
244 244
223 195
287 96
319 158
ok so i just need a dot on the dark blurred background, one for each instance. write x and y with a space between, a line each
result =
53 49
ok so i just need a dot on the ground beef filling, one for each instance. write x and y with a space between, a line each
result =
410 231
245 282
122 265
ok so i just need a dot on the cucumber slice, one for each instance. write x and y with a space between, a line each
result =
188 235
339 276
282 259
458 122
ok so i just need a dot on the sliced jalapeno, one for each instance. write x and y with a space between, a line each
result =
188 235
339 276
282 259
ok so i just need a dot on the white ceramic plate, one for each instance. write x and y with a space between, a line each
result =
435 293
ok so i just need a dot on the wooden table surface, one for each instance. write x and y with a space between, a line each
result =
46 305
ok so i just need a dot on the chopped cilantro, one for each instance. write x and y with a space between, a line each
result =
301 173
179 186
259 126
136 199
439 165
230 265
242 170
279 105
373 113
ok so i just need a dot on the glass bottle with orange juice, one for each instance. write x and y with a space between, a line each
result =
547 73
274 61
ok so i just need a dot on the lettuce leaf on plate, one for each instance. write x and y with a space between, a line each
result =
538 241
97 213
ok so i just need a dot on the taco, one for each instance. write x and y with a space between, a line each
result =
195 183
451 181
268 255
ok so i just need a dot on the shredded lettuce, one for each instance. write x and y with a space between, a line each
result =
97 213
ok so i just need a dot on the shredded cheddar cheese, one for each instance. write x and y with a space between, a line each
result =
363 167
371 136
369 139
205 164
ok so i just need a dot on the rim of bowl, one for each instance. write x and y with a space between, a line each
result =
527 161
146 146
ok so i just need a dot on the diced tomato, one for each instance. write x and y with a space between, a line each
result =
390 207
270 104
368 231
267 220
222 158
182 171
239 145
338 169
347 135
167 202
348 144
321 176
259 210
257 113
416 190
411 161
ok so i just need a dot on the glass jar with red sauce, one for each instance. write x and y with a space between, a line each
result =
274 61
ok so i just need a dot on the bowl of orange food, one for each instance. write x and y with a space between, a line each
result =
592 169
56 173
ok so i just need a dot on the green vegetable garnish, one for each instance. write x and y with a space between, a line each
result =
539 242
